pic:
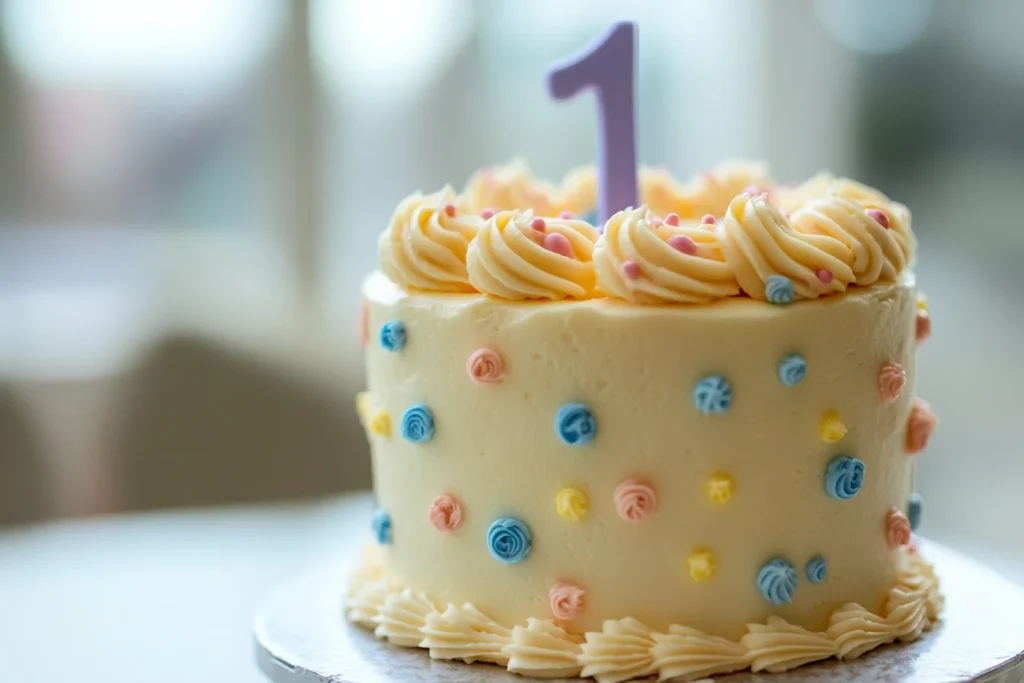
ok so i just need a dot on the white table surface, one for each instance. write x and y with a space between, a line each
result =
153 598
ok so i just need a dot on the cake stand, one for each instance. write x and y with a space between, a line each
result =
302 637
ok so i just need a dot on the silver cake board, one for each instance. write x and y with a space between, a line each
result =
302 637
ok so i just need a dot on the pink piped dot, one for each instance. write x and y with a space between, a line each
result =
449 209
657 222
559 244
487 214
787 214
567 215
708 219
825 275
538 224
683 243
672 219
754 190
631 269
880 217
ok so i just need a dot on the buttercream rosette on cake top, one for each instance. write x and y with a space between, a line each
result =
675 441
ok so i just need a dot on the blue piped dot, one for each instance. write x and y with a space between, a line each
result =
792 370
381 524
509 540
817 569
915 510
844 477
392 335
778 289
712 395
575 424
776 581
418 424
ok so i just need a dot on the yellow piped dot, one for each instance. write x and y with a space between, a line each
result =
831 428
572 504
363 406
922 303
380 424
701 565
720 488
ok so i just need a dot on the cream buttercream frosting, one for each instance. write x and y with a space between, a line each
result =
626 649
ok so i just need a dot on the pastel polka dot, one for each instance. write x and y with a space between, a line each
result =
392 336
418 424
720 488
831 428
792 370
380 424
712 395
572 504
575 424
701 565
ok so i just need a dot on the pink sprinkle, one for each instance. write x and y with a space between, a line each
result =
672 219
880 217
656 222
567 215
754 190
787 214
683 243
487 213
825 275
538 224
708 219
449 209
631 269
559 244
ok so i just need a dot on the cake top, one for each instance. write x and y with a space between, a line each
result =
729 232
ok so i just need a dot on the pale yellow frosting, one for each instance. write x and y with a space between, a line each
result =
512 186
711 192
666 275
758 242
626 649
508 260
424 247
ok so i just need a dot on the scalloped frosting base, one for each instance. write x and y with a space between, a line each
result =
626 649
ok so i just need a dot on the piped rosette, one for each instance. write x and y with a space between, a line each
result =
517 255
425 244
646 260
759 242
504 188
710 193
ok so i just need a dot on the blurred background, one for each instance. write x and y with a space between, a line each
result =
191 191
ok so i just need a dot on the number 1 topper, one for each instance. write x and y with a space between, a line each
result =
608 66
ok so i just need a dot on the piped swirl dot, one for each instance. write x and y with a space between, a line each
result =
897 529
635 500
485 366
572 504
381 525
817 569
712 395
509 540
575 424
701 565
418 424
915 510
776 581
445 513
792 370
380 424
844 477
891 378
920 425
831 428
778 289
720 488
566 600
922 326
392 336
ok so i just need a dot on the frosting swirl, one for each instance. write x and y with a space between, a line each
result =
566 600
511 259
575 424
897 529
504 188
844 477
920 425
445 512
572 504
509 540
776 581
485 366
543 649
425 245
711 192
891 378
634 500
778 646
759 243
417 424
690 654
670 264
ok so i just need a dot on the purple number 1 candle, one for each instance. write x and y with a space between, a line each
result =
608 66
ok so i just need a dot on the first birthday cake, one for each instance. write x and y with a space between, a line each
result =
678 442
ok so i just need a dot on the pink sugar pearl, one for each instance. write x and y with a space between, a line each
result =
708 219
683 243
559 244
631 270
487 213
879 216
754 190
539 225
672 219
657 222
567 215
449 209
825 275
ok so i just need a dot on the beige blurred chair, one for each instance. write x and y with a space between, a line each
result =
200 423
24 478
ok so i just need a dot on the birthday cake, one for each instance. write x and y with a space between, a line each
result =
677 443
